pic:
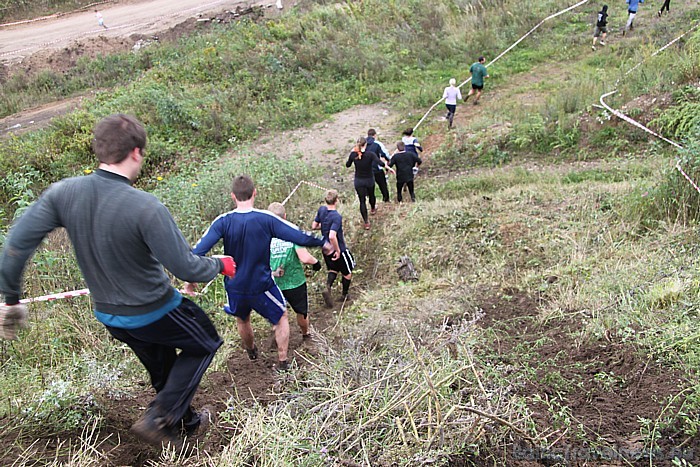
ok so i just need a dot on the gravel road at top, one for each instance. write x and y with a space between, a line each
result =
123 19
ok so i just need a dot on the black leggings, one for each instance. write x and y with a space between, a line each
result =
380 178
365 189
665 5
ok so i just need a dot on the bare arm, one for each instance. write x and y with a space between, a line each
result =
306 257
333 237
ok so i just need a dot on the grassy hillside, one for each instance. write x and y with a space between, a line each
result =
554 319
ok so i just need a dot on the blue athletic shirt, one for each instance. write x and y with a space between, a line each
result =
247 235
330 219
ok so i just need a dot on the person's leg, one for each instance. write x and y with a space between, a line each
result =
478 96
332 274
380 178
303 322
362 197
282 337
346 284
399 188
469 94
372 197
239 307
602 39
298 299
410 190
348 264
245 330
272 306
451 109
157 359
630 20
189 329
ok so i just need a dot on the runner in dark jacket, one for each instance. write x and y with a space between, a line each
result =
379 174
405 162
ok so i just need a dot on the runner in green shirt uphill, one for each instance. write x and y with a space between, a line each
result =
286 261
478 71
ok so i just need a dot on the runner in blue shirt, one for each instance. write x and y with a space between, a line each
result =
247 233
330 222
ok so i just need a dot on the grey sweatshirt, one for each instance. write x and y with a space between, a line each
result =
123 237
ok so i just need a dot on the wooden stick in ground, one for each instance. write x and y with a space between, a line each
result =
498 419
428 379
478 380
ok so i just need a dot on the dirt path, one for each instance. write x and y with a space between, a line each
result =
123 20
328 143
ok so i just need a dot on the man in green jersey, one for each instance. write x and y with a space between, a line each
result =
478 71
286 261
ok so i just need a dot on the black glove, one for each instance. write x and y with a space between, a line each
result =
316 266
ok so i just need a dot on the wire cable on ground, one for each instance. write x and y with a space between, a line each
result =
635 123
297 187
86 291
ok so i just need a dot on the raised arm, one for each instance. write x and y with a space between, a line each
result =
351 159
306 257
24 238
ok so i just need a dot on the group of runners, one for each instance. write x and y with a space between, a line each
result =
373 163
452 93
125 238
601 24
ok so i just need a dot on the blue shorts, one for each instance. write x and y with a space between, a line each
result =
270 305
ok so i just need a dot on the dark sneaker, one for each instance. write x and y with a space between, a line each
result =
327 298
373 211
282 365
306 337
252 353
153 430
200 423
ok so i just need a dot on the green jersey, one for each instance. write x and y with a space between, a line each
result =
284 254
478 72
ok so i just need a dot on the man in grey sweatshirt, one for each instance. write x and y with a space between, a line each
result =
123 237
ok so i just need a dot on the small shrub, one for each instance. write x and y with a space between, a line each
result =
674 198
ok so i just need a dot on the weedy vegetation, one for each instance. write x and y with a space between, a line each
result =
555 318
